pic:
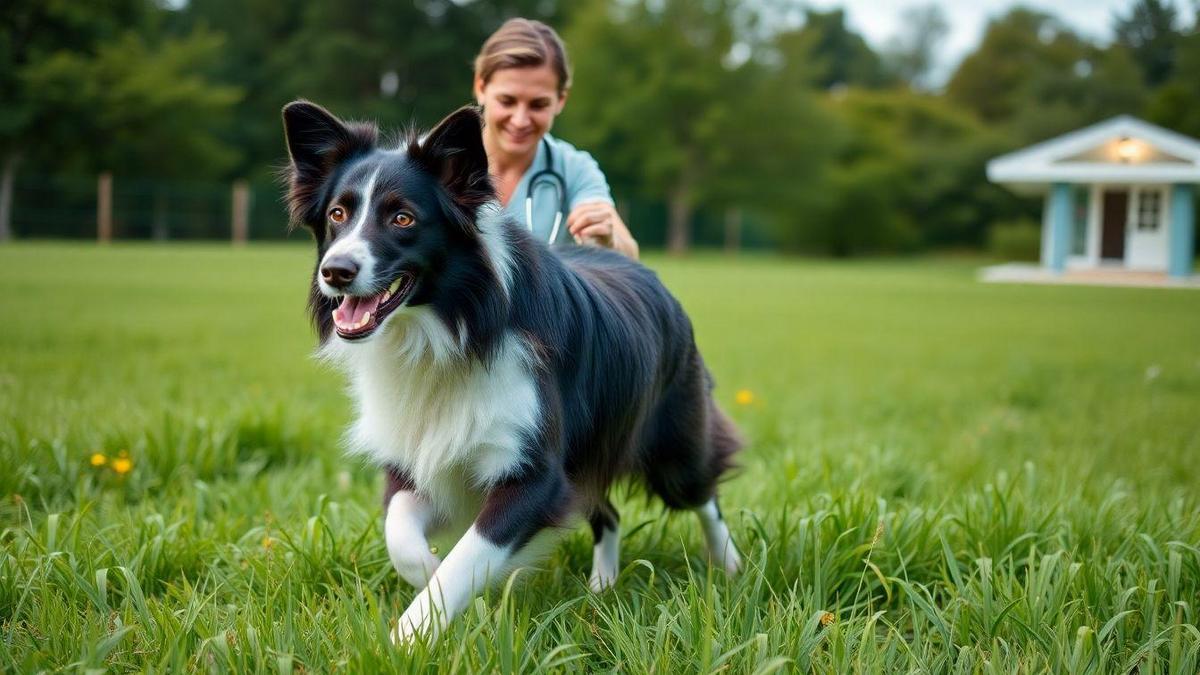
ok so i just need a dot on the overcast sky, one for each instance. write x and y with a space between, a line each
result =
879 20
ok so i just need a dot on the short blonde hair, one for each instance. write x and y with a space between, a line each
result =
523 43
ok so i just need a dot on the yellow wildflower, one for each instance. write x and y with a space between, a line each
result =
98 459
122 465
744 397
827 618
267 541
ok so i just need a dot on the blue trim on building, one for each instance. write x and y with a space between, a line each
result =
1183 230
1060 226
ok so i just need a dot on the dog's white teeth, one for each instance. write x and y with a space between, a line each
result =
386 295
365 320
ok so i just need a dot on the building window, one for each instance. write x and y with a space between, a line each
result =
1149 207
1079 219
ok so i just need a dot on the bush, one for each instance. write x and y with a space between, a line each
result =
1015 240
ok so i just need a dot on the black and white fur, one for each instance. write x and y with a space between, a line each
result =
509 382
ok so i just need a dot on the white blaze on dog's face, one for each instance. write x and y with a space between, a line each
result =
378 242
353 247
393 226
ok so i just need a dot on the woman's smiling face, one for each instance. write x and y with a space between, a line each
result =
519 106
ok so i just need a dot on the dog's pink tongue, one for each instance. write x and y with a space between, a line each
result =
353 309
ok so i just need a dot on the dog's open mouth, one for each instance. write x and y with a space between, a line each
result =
358 316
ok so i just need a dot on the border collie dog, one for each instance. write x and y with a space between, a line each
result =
496 381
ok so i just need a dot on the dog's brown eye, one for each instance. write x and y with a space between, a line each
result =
337 214
403 220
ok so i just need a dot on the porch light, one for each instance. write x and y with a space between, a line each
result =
1128 150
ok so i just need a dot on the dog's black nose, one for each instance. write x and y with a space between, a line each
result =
339 271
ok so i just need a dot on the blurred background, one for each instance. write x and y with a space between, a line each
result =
829 128
940 473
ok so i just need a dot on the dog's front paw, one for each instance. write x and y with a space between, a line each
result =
601 579
404 633
417 622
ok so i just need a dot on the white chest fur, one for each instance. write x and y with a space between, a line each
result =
452 424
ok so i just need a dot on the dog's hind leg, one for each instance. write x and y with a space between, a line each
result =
721 549
606 550
684 469
724 441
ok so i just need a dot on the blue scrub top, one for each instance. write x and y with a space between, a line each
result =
584 180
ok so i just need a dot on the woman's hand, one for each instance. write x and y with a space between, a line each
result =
598 223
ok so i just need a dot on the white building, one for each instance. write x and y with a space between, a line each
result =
1119 194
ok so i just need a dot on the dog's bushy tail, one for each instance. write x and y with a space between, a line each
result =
724 440
686 462
691 444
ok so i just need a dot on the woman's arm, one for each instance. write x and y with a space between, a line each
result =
600 224
593 218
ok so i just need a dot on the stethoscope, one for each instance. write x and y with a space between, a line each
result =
547 176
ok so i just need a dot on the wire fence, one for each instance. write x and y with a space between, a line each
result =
70 207
64 206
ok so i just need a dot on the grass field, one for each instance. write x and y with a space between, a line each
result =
942 476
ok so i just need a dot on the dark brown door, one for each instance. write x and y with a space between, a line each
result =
1112 229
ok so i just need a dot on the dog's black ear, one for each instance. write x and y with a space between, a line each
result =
318 143
453 151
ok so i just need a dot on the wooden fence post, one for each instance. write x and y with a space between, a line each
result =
241 212
733 229
8 176
104 208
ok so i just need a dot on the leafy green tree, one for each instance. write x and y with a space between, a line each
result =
663 105
649 88
1175 103
910 175
912 54
397 63
253 59
994 80
1104 82
774 147
1033 76
138 107
32 32
1149 33
839 56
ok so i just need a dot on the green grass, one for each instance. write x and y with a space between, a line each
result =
966 477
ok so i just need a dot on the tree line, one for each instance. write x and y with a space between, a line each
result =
706 115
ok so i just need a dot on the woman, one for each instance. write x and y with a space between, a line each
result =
522 79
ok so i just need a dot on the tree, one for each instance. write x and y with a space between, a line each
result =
665 109
912 54
994 80
774 147
909 175
398 63
140 107
31 32
839 56
1035 77
254 59
1149 33
654 83
1175 103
